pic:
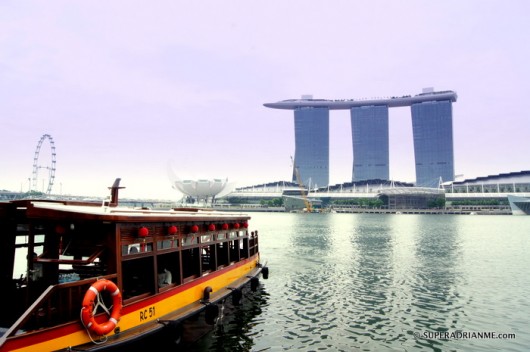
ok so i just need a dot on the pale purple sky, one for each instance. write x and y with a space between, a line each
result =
127 87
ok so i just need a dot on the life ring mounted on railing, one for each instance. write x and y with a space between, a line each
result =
93 300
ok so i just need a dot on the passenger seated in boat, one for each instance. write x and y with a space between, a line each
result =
36 273
165 278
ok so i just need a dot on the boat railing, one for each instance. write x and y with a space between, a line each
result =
58 304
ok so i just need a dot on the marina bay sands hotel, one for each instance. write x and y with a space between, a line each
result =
432 128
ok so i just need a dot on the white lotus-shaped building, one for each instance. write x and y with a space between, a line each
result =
201 188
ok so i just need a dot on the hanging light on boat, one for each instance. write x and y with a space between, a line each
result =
236 225
225 227
172 230
195 228
211 227
143 231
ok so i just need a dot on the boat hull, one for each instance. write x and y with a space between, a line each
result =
144 317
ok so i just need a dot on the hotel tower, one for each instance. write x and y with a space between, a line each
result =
432 127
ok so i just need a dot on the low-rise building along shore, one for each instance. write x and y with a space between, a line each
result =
483 195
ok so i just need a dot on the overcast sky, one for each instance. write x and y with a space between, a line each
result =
133 89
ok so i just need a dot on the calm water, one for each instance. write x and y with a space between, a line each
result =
347 282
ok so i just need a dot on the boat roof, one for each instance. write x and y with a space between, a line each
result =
41 209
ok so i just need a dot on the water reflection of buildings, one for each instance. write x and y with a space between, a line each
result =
372 292
428 262
437 276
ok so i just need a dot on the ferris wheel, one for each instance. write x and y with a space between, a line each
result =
49 165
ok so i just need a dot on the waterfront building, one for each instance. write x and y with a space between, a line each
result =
516 182
311 156
432 129
370 143
487 194
519 205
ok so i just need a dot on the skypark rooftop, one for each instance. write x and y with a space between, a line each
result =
345 104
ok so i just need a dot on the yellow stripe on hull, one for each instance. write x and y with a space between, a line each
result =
184 298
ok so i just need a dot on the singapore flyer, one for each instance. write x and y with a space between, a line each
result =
44 162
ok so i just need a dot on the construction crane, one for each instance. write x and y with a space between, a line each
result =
307 203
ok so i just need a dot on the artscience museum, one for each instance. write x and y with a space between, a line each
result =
201 190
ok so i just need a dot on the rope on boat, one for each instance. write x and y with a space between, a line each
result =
102 341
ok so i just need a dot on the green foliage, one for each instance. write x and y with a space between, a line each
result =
275 202
479 202
361 202
33 194
237 200
437 203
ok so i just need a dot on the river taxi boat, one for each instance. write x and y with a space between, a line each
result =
98 276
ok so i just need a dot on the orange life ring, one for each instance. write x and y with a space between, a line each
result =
87 312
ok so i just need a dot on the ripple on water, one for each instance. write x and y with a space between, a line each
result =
345 282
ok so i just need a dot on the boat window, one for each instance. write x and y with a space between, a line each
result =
223 254
167 244
190 264
168 269
189 241
206 238
22 249
234 251
208 259
253 244
136 248
60 252
138 277
146 247
243 248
